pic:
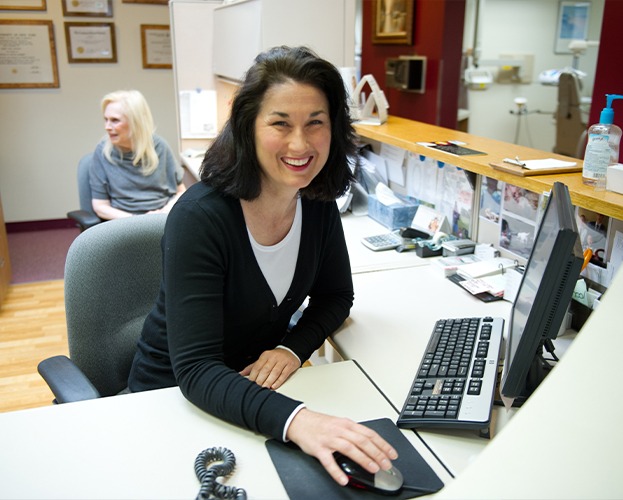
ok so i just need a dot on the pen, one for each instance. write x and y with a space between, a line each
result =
516 161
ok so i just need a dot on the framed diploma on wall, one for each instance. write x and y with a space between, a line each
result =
91 42
95 8
156 46
27 55
23 5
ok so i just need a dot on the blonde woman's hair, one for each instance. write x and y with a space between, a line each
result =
141 122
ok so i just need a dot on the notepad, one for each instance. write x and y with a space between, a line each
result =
547 163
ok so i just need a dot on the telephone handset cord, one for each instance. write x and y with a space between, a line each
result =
207 474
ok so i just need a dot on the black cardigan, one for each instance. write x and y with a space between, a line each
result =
216 314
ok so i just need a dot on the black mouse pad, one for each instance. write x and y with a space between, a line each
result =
304 478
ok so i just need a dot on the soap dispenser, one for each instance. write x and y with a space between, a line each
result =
602 147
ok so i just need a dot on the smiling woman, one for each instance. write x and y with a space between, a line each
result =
247 246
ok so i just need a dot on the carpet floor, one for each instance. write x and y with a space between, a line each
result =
39 255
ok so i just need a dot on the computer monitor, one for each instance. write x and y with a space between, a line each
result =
544 294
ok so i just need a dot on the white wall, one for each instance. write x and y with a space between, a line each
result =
43 132
523 26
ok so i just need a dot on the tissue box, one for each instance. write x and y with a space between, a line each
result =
614 178
392 216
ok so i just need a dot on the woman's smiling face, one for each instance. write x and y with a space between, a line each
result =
292 135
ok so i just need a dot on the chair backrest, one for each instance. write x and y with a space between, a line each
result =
112 277
84 186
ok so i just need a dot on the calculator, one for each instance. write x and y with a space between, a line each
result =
387 241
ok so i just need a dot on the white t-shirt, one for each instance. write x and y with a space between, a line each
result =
278 262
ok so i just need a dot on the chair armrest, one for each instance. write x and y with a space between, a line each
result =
84 219
67 382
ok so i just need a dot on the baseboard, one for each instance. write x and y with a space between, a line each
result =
39 225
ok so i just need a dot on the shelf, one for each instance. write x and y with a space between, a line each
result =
406 134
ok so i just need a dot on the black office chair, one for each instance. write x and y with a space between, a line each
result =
112 277
85 217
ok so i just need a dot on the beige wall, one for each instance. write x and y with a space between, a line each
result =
43 132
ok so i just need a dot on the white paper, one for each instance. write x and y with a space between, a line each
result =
395 157
386 196
379 164
616 256
198 114
547 163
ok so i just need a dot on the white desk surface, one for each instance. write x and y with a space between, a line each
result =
566 440
362 259
393 315
144 445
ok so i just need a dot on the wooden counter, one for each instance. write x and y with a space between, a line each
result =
406 134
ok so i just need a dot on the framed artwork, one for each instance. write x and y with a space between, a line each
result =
95 8
156 2
23 5
156 46
392 22
91 42
572 24
28 55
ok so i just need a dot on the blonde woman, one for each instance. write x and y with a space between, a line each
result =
134 171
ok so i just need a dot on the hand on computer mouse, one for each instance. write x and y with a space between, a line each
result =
385 482
319 435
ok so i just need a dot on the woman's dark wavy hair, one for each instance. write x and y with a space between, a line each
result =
230 164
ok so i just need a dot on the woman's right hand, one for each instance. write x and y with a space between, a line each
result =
321 435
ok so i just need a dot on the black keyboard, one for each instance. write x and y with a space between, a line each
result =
457 376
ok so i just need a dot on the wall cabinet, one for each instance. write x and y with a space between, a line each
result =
243 29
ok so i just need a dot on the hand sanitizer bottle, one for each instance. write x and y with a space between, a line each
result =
602 147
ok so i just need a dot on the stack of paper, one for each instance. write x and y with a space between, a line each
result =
493 284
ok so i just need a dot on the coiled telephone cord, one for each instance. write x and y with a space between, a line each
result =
207 474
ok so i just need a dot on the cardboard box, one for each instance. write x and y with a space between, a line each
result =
392 216
614 178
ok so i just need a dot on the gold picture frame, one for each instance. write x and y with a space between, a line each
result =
392 22
23 5
91 42
155 2
156 46
91 8
33 63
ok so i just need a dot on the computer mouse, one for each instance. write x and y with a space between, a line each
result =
385 482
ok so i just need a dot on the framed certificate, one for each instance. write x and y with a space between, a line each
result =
27 55
156 46
22 5
91 42
156 2
96 8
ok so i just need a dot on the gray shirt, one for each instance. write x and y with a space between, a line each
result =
127 188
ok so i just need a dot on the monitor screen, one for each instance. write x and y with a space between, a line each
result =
544 294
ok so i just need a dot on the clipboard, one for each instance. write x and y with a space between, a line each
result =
525 172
